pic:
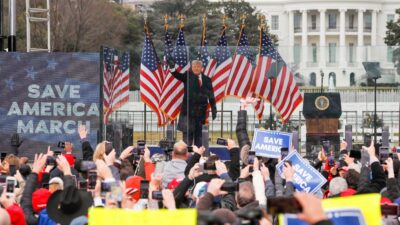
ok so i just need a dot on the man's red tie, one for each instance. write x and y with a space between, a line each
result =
200 81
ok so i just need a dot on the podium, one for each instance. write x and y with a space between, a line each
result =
322 112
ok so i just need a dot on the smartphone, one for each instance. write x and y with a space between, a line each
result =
88 165
367 139
140 146
279 205
250 159
10 184
51 161
92 179
222 141
398 149
13 170
57 153
144 189
109 147
157 195
230 187
75 181
326 145
284 152
383 154
331 161
390 209
3 156
190 148
105 187
209 166
83 185
3 179
61 144
355 154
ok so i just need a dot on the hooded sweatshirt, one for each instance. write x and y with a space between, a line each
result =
173 169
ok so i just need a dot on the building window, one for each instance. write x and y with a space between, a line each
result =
275 22
332 21
351 52
367 22
313 22
314 52
313 79
352 79
296 53
332 79
389 53
332 52
297 22
390 17
351 21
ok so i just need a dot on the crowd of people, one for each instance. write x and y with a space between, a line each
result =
59 188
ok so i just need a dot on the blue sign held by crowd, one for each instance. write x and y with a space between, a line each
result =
349 216
268 143
305 178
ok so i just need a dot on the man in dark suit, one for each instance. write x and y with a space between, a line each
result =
198 93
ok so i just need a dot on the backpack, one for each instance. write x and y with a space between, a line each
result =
44 218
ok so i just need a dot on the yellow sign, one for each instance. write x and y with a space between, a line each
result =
101 216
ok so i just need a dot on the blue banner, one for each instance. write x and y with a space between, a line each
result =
45 97
350 216
306 178
268 143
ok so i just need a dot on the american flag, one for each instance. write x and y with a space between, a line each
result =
223 68
151 79
172 92
240 76
259 107
168 49
115 81
209 63
282 92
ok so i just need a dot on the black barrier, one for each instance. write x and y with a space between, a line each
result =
45 97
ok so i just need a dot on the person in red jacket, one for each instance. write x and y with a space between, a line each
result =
13 209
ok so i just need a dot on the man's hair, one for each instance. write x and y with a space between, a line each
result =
196 61
246 194
337 185
352 178
180 149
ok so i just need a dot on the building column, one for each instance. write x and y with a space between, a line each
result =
322 39
360 36
342 39
374 30
304 39
291 36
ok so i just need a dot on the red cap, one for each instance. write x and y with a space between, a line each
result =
132 186
39 199
385 200
174 183
70 158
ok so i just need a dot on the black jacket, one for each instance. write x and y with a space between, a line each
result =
377 182
195 99
87 151
26 200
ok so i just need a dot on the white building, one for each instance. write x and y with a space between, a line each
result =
334 37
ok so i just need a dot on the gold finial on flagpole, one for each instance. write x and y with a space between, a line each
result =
261 19
182 20
224 26
146 28
166 25
243 20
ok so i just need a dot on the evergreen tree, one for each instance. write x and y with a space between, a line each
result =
393 39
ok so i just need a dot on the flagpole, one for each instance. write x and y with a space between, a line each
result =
222 103
100 134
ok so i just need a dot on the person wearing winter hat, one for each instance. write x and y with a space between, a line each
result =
337 185
39 199
56 184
